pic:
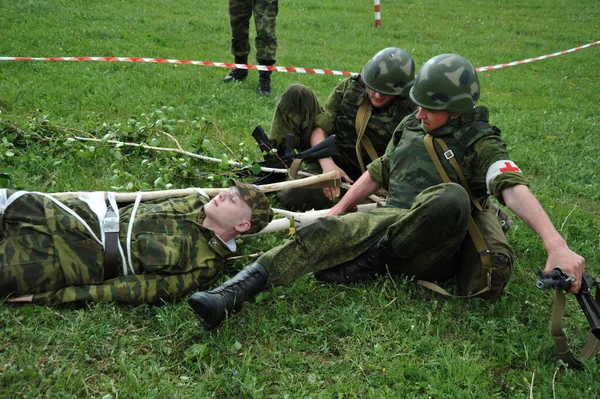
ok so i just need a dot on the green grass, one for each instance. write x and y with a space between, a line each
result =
387 339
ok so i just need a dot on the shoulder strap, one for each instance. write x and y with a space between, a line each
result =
476 236
362 119
560 340
449 155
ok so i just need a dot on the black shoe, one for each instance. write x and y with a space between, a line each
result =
236 74
212 307
367 266
264 83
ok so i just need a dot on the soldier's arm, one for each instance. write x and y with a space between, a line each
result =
524 204
504 179
360 190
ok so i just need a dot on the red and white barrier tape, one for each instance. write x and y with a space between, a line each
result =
377 13
542 57
269 67
186 62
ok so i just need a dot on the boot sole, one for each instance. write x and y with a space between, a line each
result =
202 313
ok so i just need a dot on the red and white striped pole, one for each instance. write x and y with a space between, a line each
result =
377 13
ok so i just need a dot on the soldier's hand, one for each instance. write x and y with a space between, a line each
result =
334 192
569 262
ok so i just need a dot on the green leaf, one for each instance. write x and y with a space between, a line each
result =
236 346
196 351
256 169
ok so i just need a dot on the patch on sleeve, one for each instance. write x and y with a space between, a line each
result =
497 168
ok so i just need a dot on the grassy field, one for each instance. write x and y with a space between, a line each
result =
387 339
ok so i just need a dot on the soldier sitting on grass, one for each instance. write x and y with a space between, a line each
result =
420 231
369 105
54 251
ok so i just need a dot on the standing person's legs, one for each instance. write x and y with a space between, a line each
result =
265 18
240 12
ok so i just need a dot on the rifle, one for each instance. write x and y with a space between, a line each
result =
558 280
289 159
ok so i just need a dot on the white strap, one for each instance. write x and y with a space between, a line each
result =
3 195
95 201
62 206
201 192
138 198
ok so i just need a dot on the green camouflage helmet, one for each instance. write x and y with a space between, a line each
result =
391 71
262 213
446 82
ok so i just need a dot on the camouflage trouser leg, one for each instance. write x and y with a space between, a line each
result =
424 238
38 248
240 12
295 112
265 16
427 238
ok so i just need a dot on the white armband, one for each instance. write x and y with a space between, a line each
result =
497 168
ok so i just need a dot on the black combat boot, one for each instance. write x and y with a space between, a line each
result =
264 78
366 266
212 307
264 83
237 73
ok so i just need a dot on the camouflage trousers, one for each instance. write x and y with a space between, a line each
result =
265 15
41 250
424 239
296 112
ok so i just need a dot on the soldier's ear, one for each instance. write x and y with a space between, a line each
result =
243 226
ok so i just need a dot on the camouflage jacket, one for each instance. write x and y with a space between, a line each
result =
406 168
339 114
46 252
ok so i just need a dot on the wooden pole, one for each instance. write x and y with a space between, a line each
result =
266 188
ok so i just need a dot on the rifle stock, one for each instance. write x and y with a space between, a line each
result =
279 159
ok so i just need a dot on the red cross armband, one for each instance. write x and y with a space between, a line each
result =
498 168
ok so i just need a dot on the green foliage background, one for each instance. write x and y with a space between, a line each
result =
386 339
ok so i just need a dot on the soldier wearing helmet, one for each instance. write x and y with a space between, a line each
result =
446 91
381 88
421 230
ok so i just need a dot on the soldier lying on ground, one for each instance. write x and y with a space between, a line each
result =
80 249
420 231
381 88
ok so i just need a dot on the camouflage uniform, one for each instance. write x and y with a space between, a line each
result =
265 15
425 221
44 251
298 112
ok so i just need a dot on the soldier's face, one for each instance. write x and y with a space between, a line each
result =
378 99
228 209
432 119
